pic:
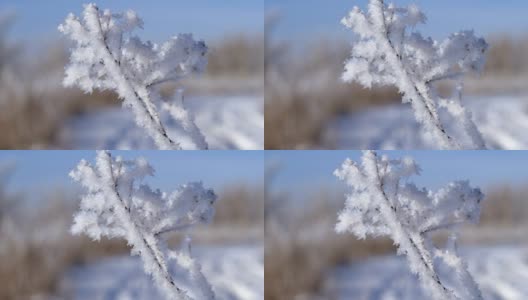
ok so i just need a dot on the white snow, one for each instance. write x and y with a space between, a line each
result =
228 122
235 272
500 271
502 120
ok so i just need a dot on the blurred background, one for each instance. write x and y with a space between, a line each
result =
40 259
307 105
37 112
306 259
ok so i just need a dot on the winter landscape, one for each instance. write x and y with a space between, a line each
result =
340 87
383 132
361 261
61 240
71 96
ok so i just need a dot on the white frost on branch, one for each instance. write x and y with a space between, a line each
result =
106 56
117 205
382 202
387 52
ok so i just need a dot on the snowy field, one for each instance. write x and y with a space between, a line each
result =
235 272
500 271
503 121
228 122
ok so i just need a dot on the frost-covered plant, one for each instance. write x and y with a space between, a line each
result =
116 205
107 56
387 52
383 203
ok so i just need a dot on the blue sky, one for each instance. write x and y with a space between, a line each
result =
41 171
207 19
302 172
308 19
301 19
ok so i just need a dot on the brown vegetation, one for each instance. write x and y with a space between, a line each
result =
36 247
237 56
240 205
303 94
301 245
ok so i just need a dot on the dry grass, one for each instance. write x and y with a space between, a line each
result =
296 120
297 269
240 205
303 91
36 248
301 246
32 120
35 268
33 104
505 205
507 55
236 56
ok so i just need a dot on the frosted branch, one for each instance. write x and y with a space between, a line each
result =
382 203
388 54
117 206
107 57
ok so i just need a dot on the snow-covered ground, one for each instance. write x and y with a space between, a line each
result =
500 271
234 271
503 121
228 122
